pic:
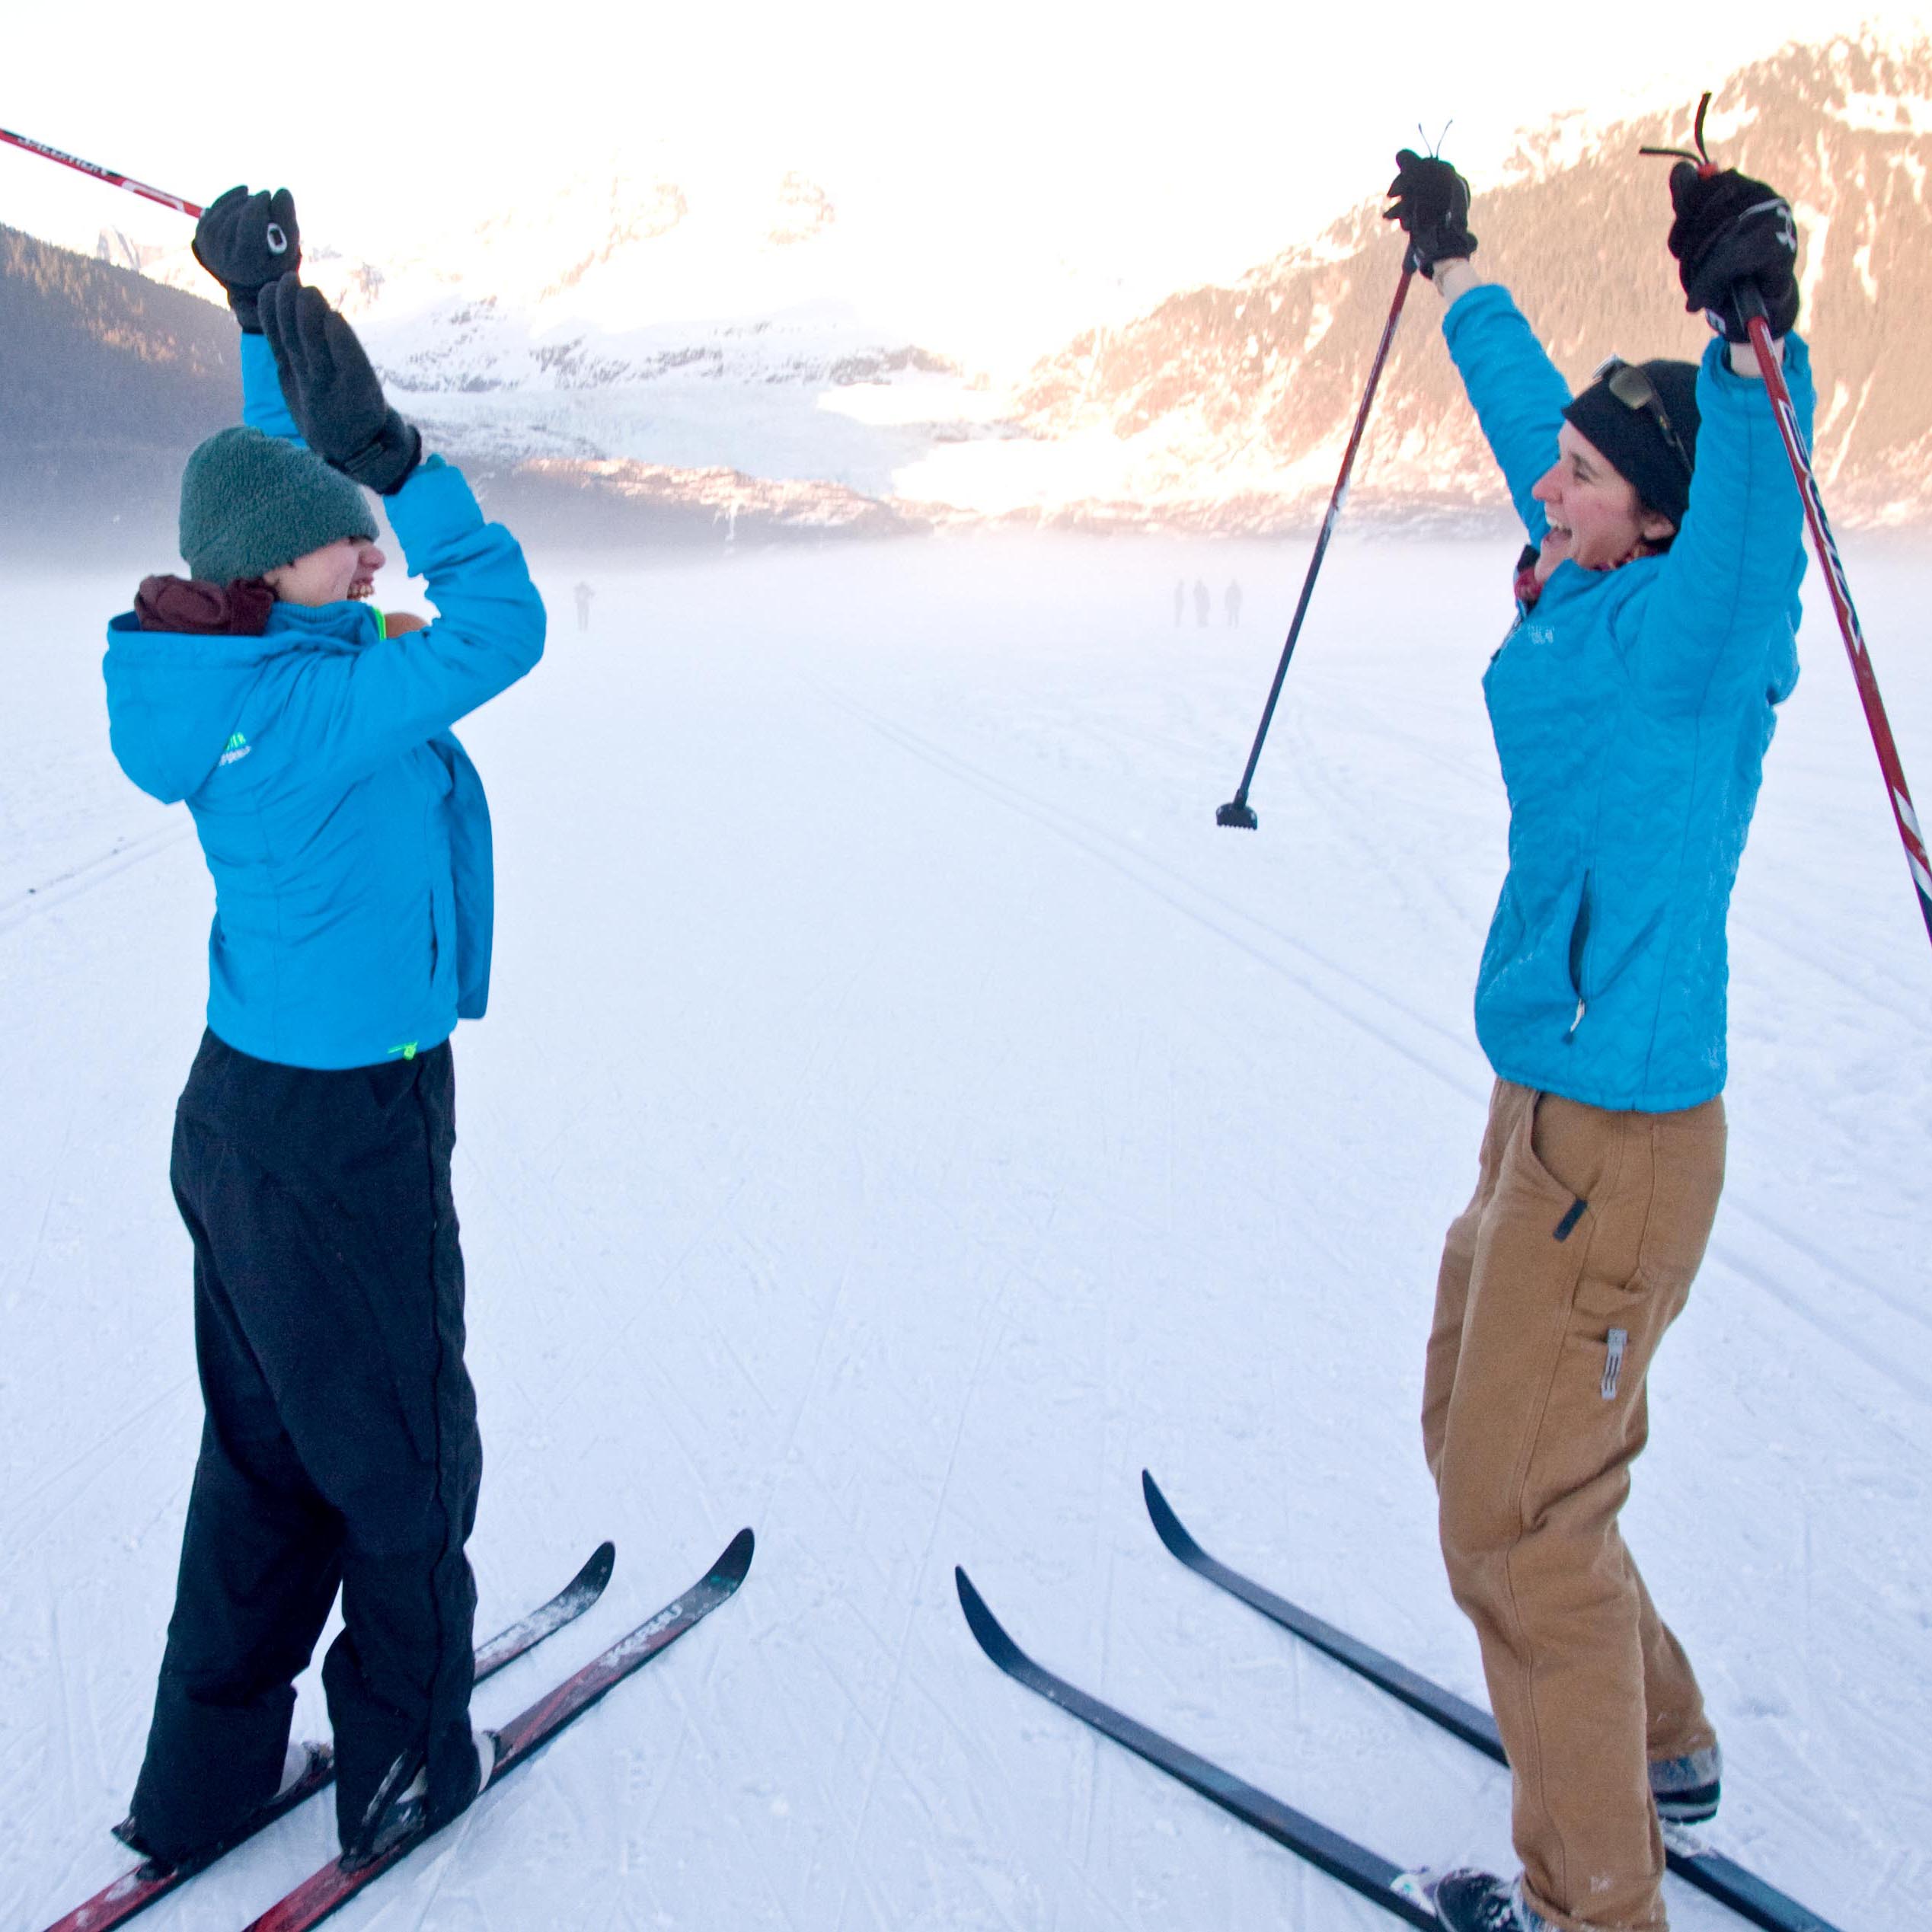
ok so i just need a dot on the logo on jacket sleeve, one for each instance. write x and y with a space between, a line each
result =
238 747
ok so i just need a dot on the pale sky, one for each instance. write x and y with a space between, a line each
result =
1148 148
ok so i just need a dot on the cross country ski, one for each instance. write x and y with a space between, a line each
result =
326 1891
1747 1894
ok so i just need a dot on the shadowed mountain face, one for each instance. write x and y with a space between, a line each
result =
1233 403
110 380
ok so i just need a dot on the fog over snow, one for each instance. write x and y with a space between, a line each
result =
903 1115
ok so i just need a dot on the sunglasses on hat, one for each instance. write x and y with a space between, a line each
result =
1634 390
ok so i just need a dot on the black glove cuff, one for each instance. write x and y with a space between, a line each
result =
1428 251
386 462
1781 313
246 304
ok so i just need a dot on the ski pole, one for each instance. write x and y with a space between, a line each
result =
100 173
1769 367
1751 306
1237 811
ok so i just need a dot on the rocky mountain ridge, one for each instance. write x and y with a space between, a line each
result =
1226 408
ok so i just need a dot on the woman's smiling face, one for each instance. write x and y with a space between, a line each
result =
339 570
1596 519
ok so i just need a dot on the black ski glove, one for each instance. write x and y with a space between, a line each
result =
1432 203
332 391
236 240
1730 230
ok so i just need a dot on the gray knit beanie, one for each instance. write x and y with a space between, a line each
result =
251 502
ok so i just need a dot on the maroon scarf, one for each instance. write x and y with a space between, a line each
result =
200 609
1527 589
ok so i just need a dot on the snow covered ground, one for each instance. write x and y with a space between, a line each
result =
903 1114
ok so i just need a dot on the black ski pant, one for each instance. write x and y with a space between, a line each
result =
339 1449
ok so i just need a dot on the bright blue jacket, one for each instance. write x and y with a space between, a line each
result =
346 828
1632 709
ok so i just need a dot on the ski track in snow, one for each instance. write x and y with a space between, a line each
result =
903 1115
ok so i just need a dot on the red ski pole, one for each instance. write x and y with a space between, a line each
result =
1237 811
107 174
1770 366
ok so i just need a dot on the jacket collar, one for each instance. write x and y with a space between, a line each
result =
350 622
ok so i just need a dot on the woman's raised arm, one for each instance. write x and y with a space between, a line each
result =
247 242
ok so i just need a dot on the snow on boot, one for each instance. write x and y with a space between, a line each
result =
1687 1789
1480 1902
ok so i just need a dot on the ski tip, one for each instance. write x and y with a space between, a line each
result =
730 1568
987 1631
1167 1526
980 1620
596 1572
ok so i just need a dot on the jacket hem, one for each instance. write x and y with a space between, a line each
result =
315 1062
1668 1102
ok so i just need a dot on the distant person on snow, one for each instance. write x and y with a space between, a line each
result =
583 594
1203 603
348 841
1181 599
1632 703
1231 603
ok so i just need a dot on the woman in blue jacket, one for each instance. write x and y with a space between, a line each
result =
1632 703
348 841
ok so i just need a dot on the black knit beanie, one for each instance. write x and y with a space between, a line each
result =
1631 442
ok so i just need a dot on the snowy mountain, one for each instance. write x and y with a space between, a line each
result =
629 328
1226 408
626 317
113 376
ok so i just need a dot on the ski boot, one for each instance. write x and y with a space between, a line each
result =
299 1762
1469 1901
1687 1789
397 1810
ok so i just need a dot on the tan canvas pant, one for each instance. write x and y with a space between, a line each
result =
1586 1227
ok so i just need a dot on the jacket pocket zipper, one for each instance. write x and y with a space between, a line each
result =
1579 954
